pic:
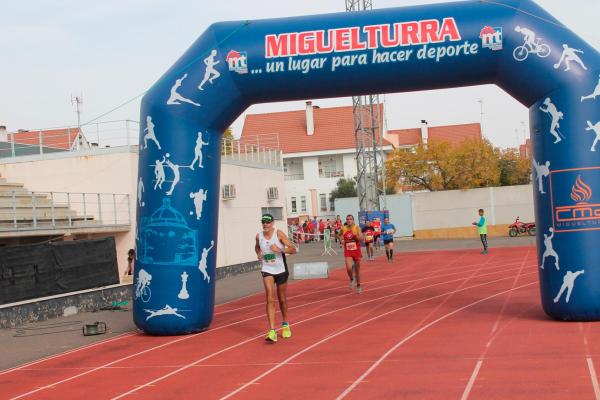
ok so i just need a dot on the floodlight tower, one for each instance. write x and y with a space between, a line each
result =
368 134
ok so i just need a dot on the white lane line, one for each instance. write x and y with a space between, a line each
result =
594 377
85 347
366 322
471 380
463 269
296 323
407 338
493 334
212 330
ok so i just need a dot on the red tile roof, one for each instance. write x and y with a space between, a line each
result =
55 138
454 134
334 129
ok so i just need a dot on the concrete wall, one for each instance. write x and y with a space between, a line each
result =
449 214
101 171
115 171
239 218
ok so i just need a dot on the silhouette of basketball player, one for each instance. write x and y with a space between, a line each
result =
596 129
568 55
555 115
549 252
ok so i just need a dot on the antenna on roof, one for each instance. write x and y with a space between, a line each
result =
77 101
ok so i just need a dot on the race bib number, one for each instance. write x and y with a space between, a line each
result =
269 258
369 237
351 246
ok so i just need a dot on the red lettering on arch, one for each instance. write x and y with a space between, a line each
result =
306 41
449 30
276 45
429 31
410 33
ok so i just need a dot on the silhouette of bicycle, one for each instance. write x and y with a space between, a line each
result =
540 49
144 293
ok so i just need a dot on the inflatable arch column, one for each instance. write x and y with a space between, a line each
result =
514 44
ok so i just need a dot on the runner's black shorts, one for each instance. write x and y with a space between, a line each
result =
386 241
280 279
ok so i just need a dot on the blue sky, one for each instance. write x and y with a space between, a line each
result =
111 51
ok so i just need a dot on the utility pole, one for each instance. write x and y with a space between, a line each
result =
480 101
368 134
77 101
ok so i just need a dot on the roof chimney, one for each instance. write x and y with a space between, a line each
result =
3 134
424 132
310 119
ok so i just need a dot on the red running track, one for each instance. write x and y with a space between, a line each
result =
432 325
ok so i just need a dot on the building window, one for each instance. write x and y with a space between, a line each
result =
294 210
323 198
331 167
303 203
331 205
276 212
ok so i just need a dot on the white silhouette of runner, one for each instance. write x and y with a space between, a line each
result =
211 73
556 116
140 192
568 55
199 198
198 151
596 129
175 97
541 170
150 135
528 36
549 252
594 94
568 284
175 169
202 265
159 173
167 310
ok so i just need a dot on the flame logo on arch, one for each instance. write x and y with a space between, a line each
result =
580 192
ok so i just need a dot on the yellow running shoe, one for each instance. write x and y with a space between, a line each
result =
271 336
286 332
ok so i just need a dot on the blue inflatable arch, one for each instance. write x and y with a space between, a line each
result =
513 44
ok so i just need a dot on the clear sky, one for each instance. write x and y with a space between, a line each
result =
113 50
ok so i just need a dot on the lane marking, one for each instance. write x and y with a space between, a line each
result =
297 354
85 347
594 377
241 343
471 380
390 351
363 323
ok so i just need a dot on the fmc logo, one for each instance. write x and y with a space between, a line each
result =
574 206
237 61
491 37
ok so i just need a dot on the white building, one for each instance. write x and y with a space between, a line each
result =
318 148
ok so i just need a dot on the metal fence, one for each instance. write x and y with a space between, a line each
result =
239 150
69 138
22 210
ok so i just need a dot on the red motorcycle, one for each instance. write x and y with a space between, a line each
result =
519 227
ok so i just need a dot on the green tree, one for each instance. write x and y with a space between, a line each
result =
344 188
514 169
